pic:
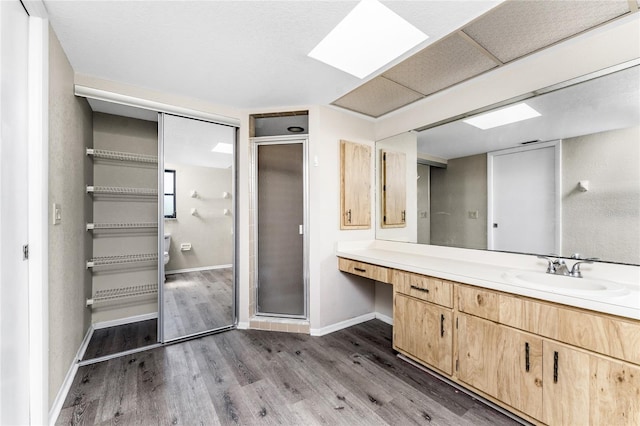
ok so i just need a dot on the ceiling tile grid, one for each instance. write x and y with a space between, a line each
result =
445 63
377 97
517 28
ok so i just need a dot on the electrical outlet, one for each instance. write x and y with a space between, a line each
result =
423 215
473 214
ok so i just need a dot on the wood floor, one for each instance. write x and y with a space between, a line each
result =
197 301
112 340
251 377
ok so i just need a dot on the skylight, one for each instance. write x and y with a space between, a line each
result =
369 37
508 115
223 148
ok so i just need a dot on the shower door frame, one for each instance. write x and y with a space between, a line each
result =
281 140
234 260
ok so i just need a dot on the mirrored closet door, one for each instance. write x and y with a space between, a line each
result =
197 218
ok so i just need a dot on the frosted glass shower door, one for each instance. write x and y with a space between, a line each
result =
280 219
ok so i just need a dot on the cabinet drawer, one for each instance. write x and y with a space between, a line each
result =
478 302
366 270
431 289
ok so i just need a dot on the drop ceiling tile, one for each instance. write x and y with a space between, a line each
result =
441 65
377 97
517 28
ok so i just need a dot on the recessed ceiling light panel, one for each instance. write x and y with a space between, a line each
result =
508 115
369 37
223 148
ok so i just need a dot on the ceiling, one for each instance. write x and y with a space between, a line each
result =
508 32
601 104
242 54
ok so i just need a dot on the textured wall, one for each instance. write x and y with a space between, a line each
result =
602 222
69 243
455 191
125 134
210 231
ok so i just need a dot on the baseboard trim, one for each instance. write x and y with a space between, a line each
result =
242 325
198 269
384 318
122 321
56 407
342 324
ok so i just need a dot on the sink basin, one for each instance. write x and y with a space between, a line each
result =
566 285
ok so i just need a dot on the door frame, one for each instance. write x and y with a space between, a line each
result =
281 140
557 145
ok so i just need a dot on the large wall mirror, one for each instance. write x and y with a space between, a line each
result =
565 180
197 214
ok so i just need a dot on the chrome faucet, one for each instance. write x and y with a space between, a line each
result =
558 266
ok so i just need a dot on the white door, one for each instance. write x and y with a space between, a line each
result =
523 191
14 307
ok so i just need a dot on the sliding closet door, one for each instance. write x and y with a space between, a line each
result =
280 225
198 216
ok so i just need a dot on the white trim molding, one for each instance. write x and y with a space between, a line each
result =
132 101
56 407
342 324
123 321
200 268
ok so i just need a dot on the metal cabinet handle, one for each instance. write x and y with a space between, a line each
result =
349 216
441 325
555 366
359 269
404 215
415 287
526 356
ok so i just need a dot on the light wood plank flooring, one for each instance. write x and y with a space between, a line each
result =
197 301
250 377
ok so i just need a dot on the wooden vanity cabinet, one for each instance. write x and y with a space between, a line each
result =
548 363
355 185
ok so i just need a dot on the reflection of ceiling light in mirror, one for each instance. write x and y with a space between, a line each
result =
223 148
503 116
369 37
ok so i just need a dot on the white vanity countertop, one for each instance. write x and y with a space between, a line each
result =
496 271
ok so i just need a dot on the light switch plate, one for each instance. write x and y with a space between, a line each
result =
57 214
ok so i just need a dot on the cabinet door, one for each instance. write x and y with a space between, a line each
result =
502 362
583 388
424 331
355 185
394 189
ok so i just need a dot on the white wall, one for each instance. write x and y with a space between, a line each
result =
407 143
210 231
334 296
69 244
424 203
602 222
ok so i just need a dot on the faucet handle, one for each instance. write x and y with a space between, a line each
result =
551 267
575 269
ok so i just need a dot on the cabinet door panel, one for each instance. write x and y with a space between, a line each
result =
394 189
355 185
424 331
583 388
493 359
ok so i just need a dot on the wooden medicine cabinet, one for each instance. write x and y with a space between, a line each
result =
355 185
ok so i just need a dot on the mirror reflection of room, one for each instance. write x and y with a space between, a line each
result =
198 226
589 207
